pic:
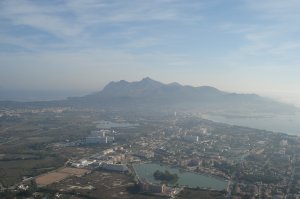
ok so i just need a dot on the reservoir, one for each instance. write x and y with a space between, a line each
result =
188 179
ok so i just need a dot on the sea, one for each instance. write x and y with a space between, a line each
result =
289 124
39 95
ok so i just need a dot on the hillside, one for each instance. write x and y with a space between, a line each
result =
150 94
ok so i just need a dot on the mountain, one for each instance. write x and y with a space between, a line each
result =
152 89
123 88
149 94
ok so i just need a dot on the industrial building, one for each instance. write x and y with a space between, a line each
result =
115 167
99 137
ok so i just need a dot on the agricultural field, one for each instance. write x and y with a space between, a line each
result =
199 194
12 172
26 145
100 184
50 178
58 175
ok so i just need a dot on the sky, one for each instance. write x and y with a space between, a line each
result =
244 46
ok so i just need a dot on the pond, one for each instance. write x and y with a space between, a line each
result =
188 179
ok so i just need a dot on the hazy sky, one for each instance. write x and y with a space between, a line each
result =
234 45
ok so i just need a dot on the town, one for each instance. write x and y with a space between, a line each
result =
117 156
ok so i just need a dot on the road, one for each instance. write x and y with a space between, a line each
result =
229 189
291 178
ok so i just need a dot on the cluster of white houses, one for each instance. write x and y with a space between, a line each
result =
100 137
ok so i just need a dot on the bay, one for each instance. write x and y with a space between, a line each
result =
289 124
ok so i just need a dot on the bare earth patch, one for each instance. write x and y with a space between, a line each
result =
73 171
58 175
50 178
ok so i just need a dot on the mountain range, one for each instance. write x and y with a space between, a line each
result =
149 94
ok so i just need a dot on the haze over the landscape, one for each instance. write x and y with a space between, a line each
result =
149 99
238 46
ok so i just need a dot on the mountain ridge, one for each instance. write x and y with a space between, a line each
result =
149 93
148 84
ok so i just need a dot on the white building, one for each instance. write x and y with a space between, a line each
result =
191 138
145 154
99 137
108 151
283 143
115 167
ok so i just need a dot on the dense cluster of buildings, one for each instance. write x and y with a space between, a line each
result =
256 164
100 137
158 189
